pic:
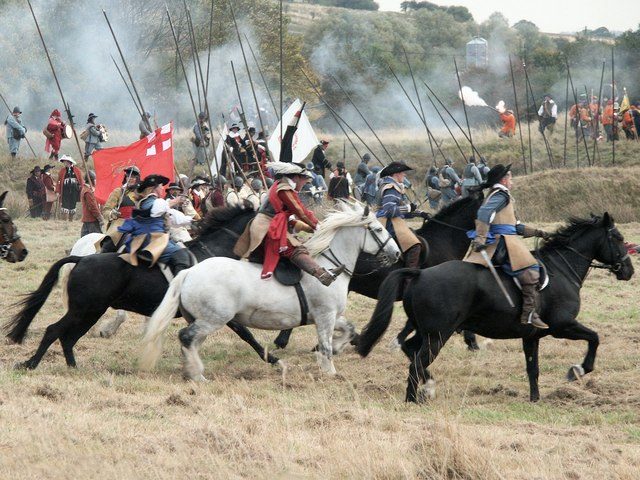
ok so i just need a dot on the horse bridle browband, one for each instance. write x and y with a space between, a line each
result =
329 255
7 240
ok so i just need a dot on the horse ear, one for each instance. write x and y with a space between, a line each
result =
366 211
2 198
607 221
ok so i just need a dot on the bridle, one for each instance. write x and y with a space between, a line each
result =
8 239
329 255
615 267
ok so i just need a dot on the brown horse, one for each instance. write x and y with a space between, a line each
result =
11 247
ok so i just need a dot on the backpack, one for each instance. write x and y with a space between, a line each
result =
444 182
84 135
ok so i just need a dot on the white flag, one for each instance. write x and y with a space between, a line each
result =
217 162
304 140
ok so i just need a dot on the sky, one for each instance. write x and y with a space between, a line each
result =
552 16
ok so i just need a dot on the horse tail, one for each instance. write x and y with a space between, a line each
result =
32 303
63 277
381 318
159 322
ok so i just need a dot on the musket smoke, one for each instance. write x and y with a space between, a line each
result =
471 98
500 107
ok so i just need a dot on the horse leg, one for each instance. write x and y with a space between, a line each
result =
71 335
110 328
51 334
470 340
191 338
347 333
419 371
577 331
248 337
282 340
325 326
530 347
399 340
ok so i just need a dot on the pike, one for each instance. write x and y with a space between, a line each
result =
194 52
363 117
64 102
595 140
186 79
127 85
281 68
429 134
448 129
464 106
452 118
575 96
206 85
264 82
535 108
591 160
515 98
243 119
26 139
424 118
613 99
421 116
566 121
235 161
496 277
526 97
126 67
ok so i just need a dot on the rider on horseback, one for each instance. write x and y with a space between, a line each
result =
496 230
148 239
395 207
270 228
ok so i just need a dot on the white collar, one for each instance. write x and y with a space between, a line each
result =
290 182
499 186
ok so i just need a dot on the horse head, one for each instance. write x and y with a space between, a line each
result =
612 251
379 242
11 247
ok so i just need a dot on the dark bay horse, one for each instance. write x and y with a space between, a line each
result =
480 306
446 237
100 281
12 249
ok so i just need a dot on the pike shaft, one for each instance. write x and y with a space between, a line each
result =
26 139
264 82
515 98
464 105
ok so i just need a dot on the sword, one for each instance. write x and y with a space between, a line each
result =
496 277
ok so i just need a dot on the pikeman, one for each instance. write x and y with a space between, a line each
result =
121 201
272 226
147 238
580 116
394 206
495 238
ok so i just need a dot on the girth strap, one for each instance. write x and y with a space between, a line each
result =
304 306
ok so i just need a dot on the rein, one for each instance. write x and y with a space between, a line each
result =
430 218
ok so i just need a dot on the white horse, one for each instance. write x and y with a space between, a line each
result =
83 247
219 290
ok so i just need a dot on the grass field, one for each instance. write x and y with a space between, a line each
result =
107 420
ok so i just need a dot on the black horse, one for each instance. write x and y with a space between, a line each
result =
12 249
481 307
98 282
445 234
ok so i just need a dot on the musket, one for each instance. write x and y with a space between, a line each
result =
448 129
264 82
452 117
515 98
496 277
424 118
243 119
26 139
429 134
464 105
363 117
64 102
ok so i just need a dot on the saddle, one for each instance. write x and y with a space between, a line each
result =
289 275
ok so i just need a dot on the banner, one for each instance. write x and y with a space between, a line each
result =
152 154
304 140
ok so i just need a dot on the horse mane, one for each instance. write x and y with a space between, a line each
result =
454 207
218 217
575 225
346 216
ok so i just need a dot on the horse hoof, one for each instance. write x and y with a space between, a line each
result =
427 391
576 372
394 345
23 366
473 347
355 340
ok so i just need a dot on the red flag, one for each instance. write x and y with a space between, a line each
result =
152 154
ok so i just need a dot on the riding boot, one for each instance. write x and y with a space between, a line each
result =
306 263
411 260
529 282
180 260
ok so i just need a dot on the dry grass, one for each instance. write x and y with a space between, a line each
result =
106 420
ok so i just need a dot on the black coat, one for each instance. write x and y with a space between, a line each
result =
320 162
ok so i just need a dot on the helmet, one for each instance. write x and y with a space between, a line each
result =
256 184
238 182
219 179
366 157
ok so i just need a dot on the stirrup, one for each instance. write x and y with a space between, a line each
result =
534 321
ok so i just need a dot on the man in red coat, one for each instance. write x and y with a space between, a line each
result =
270 227
49 190
54 133
92 220
68 187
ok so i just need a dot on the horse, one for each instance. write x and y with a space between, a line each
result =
12 249
480 305
446 237
220 290
98 282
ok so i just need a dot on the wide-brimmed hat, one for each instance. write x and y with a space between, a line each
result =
287 168
47 167
394 167
132 170
91 116
496 174
174 186
67 158
234 125
36 168
152 180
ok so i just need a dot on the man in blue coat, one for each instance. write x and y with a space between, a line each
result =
15 131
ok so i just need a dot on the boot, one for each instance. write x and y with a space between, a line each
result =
411 260
180 260
529 281
306 263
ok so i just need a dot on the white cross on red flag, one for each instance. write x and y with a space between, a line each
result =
152 154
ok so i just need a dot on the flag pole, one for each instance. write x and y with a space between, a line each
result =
27 140
64 102
515 98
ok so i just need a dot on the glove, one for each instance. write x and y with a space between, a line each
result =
478 246
412 207
114 214
542 234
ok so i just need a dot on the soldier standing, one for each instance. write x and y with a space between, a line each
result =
92 136
471 177
448 181
548 113
15 131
